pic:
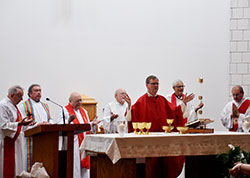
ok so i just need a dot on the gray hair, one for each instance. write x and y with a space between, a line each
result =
117 91
14 89
176 81
151 77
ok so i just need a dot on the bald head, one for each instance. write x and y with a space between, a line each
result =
75 100
238 93
120 95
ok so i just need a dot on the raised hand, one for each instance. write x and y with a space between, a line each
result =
188 98
128 100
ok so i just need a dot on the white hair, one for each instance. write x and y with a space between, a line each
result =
176 81
14 89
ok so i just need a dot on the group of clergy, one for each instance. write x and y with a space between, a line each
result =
16 150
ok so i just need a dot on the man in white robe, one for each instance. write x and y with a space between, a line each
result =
177 97
74 112
116 111
236 112
37 111
11 131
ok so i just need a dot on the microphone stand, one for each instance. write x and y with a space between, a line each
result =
62 153
59 106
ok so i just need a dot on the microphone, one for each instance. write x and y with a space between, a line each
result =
59 106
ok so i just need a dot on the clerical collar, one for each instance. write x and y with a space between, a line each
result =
179 97
151 95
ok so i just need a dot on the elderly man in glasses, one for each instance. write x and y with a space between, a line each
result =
235 115
177 98
155 108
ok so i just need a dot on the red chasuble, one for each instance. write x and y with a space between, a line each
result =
242 109
173 101
85 161
157 110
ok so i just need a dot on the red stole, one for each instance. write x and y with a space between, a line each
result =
173 101
157 110
242 109
85 161
9 151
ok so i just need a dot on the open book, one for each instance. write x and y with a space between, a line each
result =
201 123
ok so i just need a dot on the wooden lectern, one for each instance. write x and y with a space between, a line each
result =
45 146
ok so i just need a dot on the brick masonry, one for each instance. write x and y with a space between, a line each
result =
239 68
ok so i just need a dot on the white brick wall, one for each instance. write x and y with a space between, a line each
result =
239 68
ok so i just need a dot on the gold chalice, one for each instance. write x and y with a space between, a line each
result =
182 130
170 121
135 127
167 128
148 126
141 126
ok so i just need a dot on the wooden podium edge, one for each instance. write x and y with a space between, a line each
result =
56 128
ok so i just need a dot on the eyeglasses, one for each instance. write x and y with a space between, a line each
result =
154 83
182 86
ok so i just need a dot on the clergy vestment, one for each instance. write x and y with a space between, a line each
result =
156 110
115 108
190 114
9 130
244 109
80 168
38 112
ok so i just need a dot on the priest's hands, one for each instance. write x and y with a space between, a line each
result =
95 121
128 100
113 116
71 118
26 122
43 123
199 107
235 112
188 98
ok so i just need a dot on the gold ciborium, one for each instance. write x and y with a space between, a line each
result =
141 126
135 127
182 130
148 126
167 128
